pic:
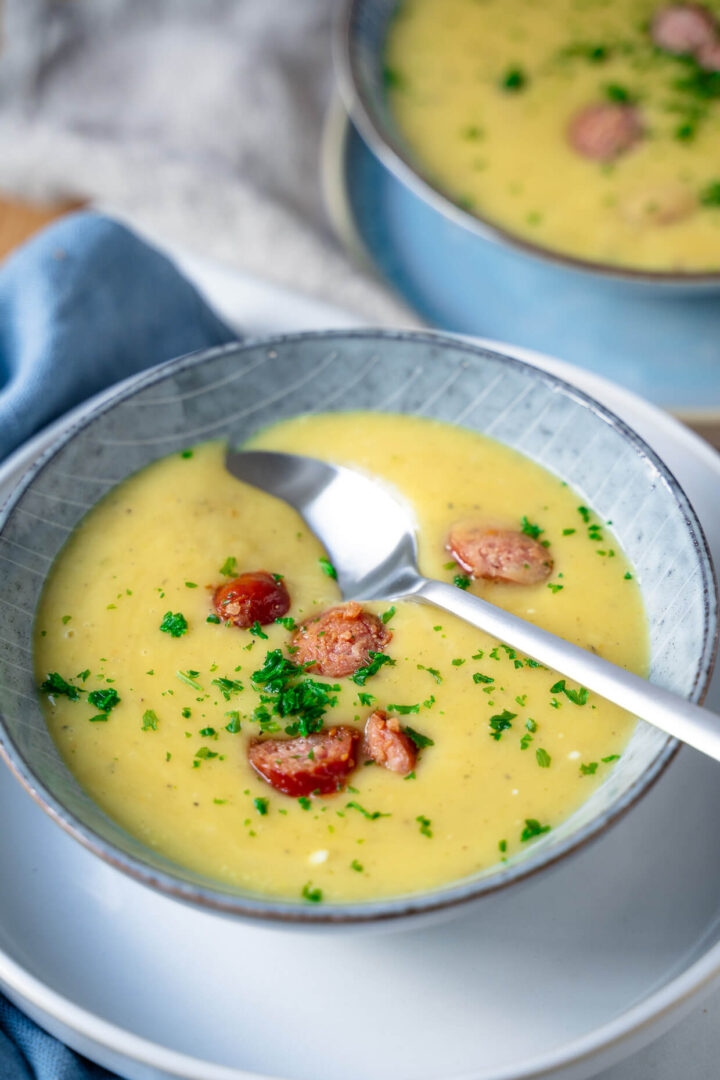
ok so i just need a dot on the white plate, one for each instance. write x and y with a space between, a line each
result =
572 973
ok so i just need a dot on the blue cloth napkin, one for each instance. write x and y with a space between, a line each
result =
83 304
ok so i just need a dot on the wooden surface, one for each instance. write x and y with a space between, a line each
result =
19 220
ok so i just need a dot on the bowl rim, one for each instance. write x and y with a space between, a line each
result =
389 909
391 152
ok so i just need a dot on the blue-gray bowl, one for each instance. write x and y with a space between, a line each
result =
233 391
359 43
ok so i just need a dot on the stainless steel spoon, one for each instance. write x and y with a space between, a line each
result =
369 536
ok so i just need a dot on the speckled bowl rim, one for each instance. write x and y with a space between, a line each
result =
391 152
406 906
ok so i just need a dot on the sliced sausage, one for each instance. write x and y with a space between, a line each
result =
340 641
682 28
605 130
317 763
250 598
499 554
708 55
387 745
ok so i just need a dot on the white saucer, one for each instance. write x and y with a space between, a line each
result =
577 970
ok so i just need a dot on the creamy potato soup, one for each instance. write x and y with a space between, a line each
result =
206 684
589 127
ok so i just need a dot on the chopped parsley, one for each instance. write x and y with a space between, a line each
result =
513 80
289 695
543 758
387 615
188 677
149 720
304 802
84 675
628 576
287 621
205 753
261 805
578 697
619 94
531 530
313 896
258 631
420 740
590 769
553 587
366 699
478 678
176 625
610 757
377 659
66 619
584 513
327 567
462 581
213 619
104 700
228 687
710 195
432 672
532 829
355 865
404 710
457 662
190 585
370 815
59 687
568 532
425 824
501 722
502 846
233 725
229 567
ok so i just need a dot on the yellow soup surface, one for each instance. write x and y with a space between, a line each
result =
167 760
484 92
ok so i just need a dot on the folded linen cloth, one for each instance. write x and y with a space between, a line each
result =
83 304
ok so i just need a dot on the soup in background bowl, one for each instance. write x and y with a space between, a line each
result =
159 727
581 131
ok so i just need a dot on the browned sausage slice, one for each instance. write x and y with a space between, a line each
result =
682 28
499 554
605 130
253 597
340 641
387 745
317 763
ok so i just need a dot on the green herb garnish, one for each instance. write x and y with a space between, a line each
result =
578 697
229 567
421 741
533 828
59 687
104 700
425 824
176 625
370 815
543 758
149 720
377 659
501 722
327 567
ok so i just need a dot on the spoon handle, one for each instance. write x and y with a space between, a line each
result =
690 723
